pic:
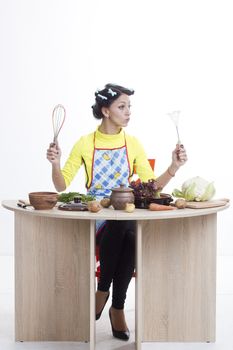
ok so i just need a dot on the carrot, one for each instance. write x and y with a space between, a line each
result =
155 206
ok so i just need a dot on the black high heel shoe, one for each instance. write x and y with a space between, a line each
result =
123 335
97 316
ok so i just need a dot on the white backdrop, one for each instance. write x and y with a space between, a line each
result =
176 54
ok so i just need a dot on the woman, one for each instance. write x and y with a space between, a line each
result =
109 155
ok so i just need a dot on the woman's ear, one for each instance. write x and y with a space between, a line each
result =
105 112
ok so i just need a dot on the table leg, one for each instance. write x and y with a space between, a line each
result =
138 284
179 279
92 285
52 279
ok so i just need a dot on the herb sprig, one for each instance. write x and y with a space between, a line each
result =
66 197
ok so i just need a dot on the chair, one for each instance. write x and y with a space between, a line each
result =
97 272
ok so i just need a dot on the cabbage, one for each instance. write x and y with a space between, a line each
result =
195 189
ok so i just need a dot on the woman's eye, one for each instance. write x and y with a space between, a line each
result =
122 107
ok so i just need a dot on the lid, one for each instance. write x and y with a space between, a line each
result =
122 188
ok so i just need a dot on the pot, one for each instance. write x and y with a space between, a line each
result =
120 196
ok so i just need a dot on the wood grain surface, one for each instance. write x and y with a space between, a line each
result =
179 279
52 290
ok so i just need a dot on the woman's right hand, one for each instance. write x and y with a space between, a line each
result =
54 154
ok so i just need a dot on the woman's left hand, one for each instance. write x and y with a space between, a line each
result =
179 156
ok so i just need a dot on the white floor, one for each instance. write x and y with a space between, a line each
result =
104 339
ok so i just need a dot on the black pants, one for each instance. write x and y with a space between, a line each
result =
117 259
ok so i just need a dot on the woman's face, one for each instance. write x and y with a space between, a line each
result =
119 111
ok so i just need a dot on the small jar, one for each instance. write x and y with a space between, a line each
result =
120 196
77 199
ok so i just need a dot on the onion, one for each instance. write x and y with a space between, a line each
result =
94 206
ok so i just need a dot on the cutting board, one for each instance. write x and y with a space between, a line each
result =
207 204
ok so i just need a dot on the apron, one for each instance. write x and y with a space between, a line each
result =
110 168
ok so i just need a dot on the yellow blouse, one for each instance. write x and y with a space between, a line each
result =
83 150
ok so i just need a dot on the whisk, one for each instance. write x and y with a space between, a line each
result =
175 118
58 118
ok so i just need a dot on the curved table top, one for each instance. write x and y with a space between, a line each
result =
112 214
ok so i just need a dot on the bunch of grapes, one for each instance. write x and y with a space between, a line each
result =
146 190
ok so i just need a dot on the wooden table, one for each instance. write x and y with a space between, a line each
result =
55 274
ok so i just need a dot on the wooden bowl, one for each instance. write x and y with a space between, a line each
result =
43 200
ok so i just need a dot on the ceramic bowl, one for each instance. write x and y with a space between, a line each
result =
120 196
43 200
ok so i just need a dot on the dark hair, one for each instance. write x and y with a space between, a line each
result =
106 96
